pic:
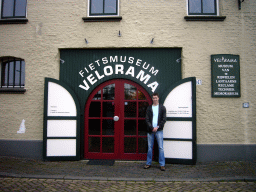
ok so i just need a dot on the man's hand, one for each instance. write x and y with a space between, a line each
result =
155 129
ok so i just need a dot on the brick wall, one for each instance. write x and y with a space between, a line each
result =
56 24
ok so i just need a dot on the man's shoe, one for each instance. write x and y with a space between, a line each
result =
147 166
162 168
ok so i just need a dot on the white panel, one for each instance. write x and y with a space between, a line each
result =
178 149
178 103
178 129
60 101
61 128
61 147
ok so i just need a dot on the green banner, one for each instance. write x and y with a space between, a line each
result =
154 69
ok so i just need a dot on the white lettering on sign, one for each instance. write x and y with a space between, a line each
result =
108 70
115 59
144 75
223 59
225 93
119 69
130 71
225 66
226 77
122 59
226 80
226 85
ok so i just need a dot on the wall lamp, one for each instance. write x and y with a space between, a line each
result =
86 41
152 41
239 4
119 34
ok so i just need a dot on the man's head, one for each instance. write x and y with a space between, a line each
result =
155 98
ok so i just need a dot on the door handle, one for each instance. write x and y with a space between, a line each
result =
116 118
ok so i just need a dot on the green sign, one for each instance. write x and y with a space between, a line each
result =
85 69
225 75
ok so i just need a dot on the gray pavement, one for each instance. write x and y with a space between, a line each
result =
19 174
127 170
25 184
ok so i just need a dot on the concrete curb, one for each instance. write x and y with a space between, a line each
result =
68 177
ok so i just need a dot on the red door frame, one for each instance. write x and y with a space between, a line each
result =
118 125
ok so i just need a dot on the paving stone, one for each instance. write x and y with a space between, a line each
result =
77 176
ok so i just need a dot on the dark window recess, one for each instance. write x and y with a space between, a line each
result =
202 7
13 9
12 75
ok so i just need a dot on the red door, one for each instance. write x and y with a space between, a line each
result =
115 121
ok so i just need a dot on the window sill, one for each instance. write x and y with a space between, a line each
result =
205 18
12 90
102 19
13 21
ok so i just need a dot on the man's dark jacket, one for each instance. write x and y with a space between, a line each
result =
161 118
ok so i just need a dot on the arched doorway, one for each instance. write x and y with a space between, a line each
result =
115 125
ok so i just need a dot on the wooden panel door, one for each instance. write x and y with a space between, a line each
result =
115 121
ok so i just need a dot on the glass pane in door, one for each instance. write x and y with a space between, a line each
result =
141 95
142 145
130 127
142 109
94 144
108 127
108 109
108 144
130 145
97 96
94 126
130 109
95 108
142 127
109 92
130 92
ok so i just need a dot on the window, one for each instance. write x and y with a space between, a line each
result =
12 73
13 9
103 8
202 7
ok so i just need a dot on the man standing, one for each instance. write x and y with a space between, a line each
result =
155 119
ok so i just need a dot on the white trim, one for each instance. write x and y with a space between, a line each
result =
217 7
187 6
0 9
0 66
88 10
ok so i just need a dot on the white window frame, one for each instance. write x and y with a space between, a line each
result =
217 9
88 11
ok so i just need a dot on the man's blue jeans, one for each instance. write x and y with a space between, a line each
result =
159 138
